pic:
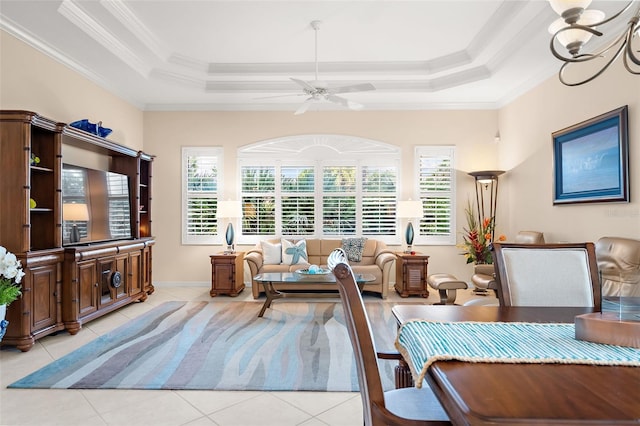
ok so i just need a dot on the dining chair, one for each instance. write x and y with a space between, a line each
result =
398 407
547 274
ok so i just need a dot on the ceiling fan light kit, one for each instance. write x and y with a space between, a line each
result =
320 91
577 25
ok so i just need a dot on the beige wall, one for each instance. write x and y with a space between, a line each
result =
526 152
166 132
35 82
32 81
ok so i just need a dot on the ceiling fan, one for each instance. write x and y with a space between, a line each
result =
319 91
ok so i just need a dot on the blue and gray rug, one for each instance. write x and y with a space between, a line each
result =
223 346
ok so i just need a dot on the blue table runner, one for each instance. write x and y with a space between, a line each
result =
423 342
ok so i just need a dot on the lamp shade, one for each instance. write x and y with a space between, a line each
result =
588 17
409 209
560 6
75 212
229 209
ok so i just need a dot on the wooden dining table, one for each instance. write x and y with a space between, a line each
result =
482 393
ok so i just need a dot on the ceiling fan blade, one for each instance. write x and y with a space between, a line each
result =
344 102
304 107
304 85
282 96
354 88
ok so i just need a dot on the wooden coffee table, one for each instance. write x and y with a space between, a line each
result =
324 285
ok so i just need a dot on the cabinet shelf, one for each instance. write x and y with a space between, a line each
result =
41 169
41 210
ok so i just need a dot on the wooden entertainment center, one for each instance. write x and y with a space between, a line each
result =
67 283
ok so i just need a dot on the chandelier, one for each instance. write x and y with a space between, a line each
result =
577 25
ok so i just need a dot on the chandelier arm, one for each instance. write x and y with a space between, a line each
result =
628 67
633 27
594 76
614 16
585 57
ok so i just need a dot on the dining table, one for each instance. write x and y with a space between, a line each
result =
524 393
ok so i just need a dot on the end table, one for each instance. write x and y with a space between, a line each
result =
411 274
227 273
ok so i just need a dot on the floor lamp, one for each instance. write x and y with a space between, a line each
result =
229 210
487 195
409 210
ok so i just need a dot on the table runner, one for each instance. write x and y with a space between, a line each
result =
423 342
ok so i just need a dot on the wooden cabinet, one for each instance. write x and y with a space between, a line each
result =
411 274
67 284
227 274
99 279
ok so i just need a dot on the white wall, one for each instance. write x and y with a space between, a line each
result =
35 82
526 152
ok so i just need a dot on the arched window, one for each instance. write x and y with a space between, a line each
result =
319 185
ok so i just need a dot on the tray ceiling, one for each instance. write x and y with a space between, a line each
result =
239 55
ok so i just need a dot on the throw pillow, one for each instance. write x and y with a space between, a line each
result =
293 254
271 253
354 248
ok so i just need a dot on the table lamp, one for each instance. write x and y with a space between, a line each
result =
229 210
409 210
75 212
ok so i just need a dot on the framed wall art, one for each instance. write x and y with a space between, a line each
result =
591 160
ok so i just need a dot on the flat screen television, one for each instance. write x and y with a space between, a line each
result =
96 206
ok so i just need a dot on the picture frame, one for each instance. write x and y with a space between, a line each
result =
591 160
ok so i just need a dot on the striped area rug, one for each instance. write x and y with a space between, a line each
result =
223 346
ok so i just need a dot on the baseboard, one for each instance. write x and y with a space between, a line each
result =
160 284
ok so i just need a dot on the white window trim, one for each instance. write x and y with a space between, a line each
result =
186 151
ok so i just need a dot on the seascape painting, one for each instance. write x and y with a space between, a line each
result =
591 160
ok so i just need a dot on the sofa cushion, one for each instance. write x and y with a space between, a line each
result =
353 247
294 253
271 253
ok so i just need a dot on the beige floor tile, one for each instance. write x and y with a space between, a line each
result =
106 400
209 402
164 409
315 403
349 413
46 407
264 410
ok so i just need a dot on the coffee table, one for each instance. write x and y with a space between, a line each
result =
320 285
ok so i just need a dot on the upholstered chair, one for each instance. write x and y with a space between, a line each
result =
483 277
547 274
619 265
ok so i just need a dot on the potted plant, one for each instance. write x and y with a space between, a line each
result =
477 238
10 276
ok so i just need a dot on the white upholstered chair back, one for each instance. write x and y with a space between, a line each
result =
547 275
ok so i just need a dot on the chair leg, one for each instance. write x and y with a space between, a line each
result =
403 375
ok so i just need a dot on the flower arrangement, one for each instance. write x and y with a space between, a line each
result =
478 237
10 276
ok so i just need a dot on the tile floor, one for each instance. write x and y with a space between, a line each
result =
136 407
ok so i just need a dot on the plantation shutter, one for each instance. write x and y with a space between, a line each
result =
201 188
297 202
379 200
339 200
436 183
258 201
118 192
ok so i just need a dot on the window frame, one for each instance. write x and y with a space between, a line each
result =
432 151
346 151
189 151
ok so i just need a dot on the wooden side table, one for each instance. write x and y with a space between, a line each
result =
411 274
227 273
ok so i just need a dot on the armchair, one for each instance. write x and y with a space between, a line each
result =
619 264
483 278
